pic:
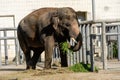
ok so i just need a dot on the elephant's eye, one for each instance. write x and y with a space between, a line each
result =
67 24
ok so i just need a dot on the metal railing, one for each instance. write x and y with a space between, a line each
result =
89 38
5 38
89 35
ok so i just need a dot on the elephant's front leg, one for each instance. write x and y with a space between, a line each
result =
49 44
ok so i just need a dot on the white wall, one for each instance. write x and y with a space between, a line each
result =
20 8
107 9
104 9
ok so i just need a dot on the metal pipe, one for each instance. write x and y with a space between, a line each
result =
0 54
119 43
93 10
5 46
104 49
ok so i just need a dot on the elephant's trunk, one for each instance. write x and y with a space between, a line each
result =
78 43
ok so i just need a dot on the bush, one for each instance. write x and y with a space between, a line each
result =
81 67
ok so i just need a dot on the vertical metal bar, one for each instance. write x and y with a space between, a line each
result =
17 57
80 52
77 57
118 42
69 60
93 9
111 53
0 54
5 46
91 53
104 49
84 44
72 56
16 45
14 21
88 43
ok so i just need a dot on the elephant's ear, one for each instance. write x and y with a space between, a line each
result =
55 20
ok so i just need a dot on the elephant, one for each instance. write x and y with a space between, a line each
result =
42 28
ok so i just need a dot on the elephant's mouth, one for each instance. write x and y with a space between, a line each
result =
77 43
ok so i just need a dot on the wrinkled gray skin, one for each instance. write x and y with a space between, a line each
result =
39 31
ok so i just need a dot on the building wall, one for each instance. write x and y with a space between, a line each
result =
20 8
104 9
107 9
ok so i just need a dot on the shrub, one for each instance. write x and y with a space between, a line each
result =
81 67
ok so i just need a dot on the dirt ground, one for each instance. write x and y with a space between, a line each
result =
19 73
13 72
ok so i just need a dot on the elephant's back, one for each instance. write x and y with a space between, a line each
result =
40 12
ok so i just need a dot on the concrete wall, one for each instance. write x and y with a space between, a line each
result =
20 8
104 9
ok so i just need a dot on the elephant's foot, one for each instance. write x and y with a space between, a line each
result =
64 64
30 67
47 66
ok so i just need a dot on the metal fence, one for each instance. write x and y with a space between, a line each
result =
104 34
5 38
93 32
90 38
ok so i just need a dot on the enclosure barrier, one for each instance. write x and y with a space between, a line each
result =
5 38
89 34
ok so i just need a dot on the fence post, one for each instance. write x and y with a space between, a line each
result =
92 50
0 54
5 46
88 43
104 50
84 44
118 42
17 57
81 50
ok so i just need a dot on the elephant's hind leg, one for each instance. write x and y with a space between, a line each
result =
27 58
35 57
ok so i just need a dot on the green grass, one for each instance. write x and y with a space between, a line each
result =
81 67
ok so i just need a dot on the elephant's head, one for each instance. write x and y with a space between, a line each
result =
66 25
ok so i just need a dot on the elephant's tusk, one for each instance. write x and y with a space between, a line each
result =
74 40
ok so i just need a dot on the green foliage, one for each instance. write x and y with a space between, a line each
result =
81 67
65 47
